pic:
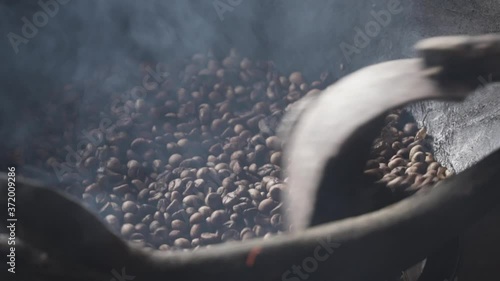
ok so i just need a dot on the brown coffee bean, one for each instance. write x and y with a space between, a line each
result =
228 184
417 168
196 218
175 160
129 207
410 129
141 228
221 166
164 247
276 221
218 217
403 152
236 167
398 162
296 78
247 234
175 234
93 189
192 201
396 182
130 218
205 211
127 230
182 243
179 225
230 235
434 166
153 226
441 172
246 64
267 205
140 145
415 149
91 163
396 145
421 134
418 157
406 141
239 156
304 88
429 158
214 201
255 195
196 230
275 191
276 158
229 200
218 126
174 206
114 164
273 143
147 219
138 184
113 221
209 238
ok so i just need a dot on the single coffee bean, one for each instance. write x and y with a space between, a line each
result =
276 158
178 225
230 235
192 201
421 134
398 162
434 166
275 191
196 218
205 211
129 207
247 234
130 218
153 226
175 160
218 217
273 143
113 221
174 206
174 234
230 200
418 157
182 243
296 78
214 201
209 238
127 230
410 129
141 228
114 164
196 230
266 206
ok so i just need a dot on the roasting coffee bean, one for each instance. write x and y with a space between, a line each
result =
209 238
218 217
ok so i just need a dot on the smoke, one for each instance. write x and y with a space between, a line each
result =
77 38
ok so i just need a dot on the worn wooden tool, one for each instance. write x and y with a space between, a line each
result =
328 144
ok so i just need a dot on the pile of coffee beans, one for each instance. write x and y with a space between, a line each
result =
402 156
194 160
